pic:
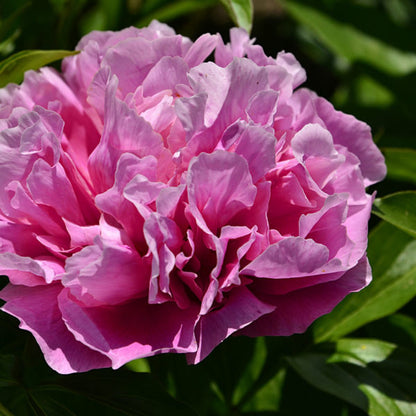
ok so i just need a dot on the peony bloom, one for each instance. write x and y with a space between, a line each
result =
152 202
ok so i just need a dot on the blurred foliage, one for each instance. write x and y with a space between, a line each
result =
360 54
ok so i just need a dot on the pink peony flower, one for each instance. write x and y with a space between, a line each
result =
153 202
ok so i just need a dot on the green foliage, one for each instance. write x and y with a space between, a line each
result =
401 164
399 210
376 376
13 68
241 11
352 44
173 10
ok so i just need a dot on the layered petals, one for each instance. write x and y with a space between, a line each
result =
154 202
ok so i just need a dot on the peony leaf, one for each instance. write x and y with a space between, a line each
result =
174 10
241 12
398 209
392 255
13 68
108 393
4 411
251 372
352 44
401 164
99 392
374 375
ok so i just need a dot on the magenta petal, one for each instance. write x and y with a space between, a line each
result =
164 240
132 330
241 309
38 312
29 272
295 311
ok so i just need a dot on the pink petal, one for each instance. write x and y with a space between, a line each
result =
290 257
38 312
295 311
257 146
50 186
241 309
132 330
201 49
106 274
124 131
229 190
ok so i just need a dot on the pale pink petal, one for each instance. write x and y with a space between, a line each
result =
229 190
103 274
201 49
124 131
290 257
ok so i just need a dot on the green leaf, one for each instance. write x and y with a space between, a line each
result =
4 411
268 397
103 392
392 255
140 365
13 68
397 328
346 41
376 376
241 12
398 209
252 369
401 164
106 392
175 10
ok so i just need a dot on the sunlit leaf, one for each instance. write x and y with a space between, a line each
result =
13 68
399 209
346 41
370 374
392 255
268 397
241 12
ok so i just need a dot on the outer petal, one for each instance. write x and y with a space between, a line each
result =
38 312
131 330
295 311
240 310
